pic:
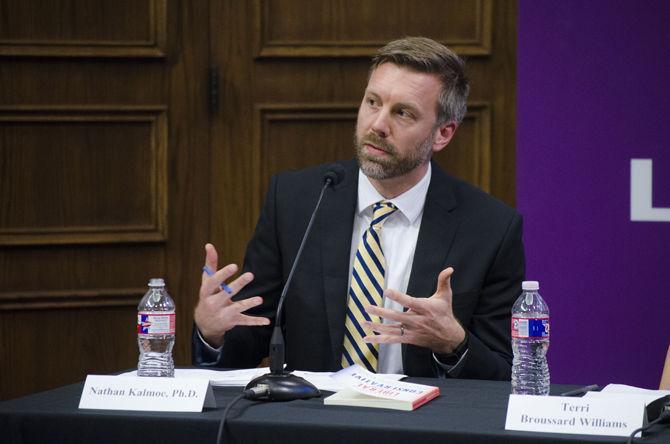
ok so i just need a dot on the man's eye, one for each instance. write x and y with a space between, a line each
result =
371 101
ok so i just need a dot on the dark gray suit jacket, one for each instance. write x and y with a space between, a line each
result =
461 227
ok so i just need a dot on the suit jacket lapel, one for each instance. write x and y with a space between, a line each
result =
336 221
438 228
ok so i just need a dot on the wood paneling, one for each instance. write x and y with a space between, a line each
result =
83 28
50 348
469 154
105 100
103 180
76 175
289 94
97 298
303 28
314 133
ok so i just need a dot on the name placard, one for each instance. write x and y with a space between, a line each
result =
146 394
616 416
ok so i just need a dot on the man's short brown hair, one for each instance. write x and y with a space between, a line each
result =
428 56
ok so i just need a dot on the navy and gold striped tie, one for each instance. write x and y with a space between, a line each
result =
367 288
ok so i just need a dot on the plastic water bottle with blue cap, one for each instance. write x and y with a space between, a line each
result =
530 342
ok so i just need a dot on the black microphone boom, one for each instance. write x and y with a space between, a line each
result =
280 385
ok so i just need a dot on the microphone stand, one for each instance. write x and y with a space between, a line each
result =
280 385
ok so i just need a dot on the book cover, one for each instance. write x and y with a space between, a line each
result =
366 389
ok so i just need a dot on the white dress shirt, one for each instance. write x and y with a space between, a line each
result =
398 240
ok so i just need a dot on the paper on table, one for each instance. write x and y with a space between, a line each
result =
217 378
323 381
622 388
615 391
228 378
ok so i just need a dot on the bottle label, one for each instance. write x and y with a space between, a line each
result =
530 328
155 323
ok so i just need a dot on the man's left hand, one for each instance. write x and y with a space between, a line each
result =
428 322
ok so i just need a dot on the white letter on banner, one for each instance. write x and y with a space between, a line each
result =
641 208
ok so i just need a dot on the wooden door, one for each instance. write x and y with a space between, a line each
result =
104 147
292 74
134 131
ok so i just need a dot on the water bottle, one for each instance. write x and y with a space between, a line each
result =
530 341
155 331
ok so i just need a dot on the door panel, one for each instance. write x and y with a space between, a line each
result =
291 89
103 139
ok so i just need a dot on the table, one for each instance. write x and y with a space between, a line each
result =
466 412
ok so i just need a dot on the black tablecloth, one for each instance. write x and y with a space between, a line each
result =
466 412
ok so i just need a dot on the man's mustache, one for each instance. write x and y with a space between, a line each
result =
377 141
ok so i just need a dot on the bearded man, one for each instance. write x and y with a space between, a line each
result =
408 270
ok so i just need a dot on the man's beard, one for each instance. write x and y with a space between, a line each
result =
393 165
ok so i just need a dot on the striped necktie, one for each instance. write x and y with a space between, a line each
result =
367 288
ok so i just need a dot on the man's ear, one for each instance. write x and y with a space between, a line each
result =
443 135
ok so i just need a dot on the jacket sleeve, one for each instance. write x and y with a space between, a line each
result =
489 354
244 346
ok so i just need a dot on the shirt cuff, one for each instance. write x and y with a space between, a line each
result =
209 355
453 362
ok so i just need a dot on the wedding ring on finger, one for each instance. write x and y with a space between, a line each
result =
402 330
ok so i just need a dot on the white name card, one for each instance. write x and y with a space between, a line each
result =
146 394
616 416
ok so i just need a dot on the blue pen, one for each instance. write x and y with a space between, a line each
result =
224 287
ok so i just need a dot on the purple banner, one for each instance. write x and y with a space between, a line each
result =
593 182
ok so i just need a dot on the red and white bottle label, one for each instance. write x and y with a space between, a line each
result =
155 323
530 328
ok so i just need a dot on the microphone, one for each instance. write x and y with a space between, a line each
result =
335 174
280 385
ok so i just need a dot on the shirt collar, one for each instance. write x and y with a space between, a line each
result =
410 203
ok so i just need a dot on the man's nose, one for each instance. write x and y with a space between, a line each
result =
381 125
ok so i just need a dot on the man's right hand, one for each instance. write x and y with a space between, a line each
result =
216 313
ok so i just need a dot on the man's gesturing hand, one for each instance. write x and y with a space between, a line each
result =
428 322
216 313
